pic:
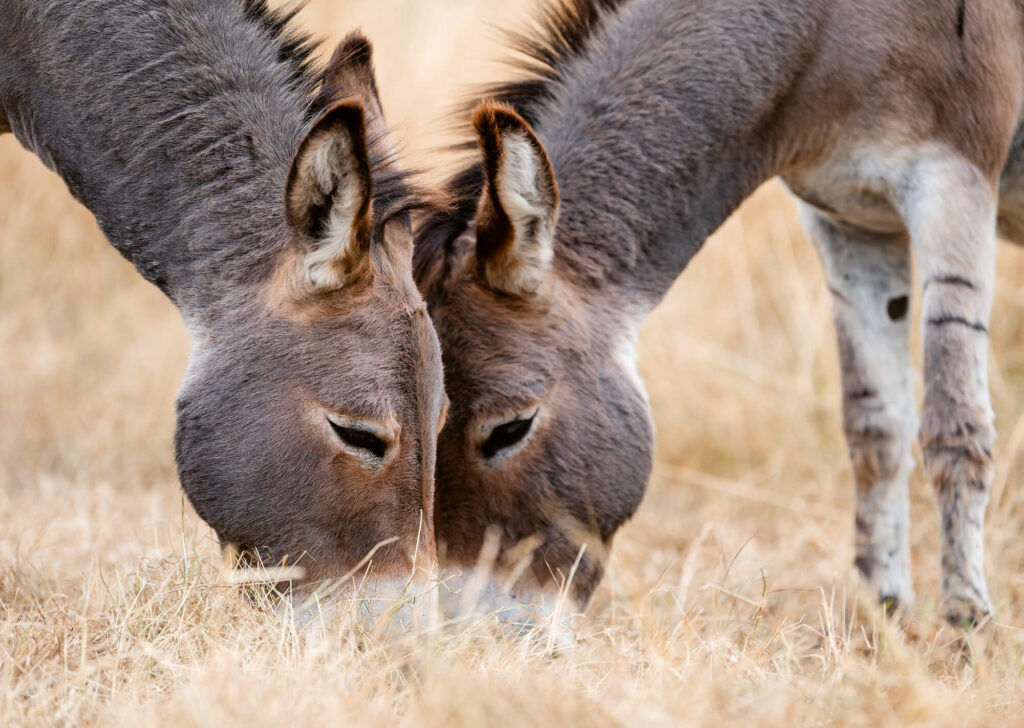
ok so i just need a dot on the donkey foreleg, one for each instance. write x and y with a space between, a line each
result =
869 277
950 210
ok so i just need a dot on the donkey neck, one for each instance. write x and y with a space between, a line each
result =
661 128
174 123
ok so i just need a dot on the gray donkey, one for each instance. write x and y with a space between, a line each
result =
262 197
638 127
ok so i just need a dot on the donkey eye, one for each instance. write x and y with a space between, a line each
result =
505 436
361 440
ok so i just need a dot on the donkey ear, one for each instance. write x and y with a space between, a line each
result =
351 73
516 218
329 194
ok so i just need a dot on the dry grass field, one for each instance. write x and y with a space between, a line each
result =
730 598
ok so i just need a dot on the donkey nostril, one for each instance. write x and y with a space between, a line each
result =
361 440
898 308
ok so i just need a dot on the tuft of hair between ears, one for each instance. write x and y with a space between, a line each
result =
563 33
397 193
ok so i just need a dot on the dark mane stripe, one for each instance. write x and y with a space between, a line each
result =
562 33
395 194
296 48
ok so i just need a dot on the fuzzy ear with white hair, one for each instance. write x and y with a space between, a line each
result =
328 198
350 73
518 213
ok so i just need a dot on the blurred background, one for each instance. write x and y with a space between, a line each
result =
752 488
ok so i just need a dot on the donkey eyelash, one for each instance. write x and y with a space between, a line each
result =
361 440
506 435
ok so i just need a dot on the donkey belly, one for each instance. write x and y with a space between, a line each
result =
853 189
854 192
1011 192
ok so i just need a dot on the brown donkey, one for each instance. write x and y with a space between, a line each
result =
262 197
639 127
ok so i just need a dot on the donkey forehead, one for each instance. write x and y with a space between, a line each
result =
377 370
385 340
369 330
493 365
507 327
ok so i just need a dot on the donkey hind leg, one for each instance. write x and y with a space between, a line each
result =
950 210
870 280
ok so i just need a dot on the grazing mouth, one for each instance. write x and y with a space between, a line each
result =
240 566
408 603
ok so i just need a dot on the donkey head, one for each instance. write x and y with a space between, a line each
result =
549 437
308 420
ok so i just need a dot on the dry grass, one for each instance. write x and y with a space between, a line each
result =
730 598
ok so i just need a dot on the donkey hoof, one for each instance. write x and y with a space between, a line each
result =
896 603
969 616
967 612
890 603
889 580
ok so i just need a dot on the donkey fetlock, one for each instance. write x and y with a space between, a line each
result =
957 445
879 453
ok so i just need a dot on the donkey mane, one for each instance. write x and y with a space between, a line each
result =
180 135
395 194
561 35
296 48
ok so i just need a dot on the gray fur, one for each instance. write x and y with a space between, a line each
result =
889 118
863 271
167 120
176 123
